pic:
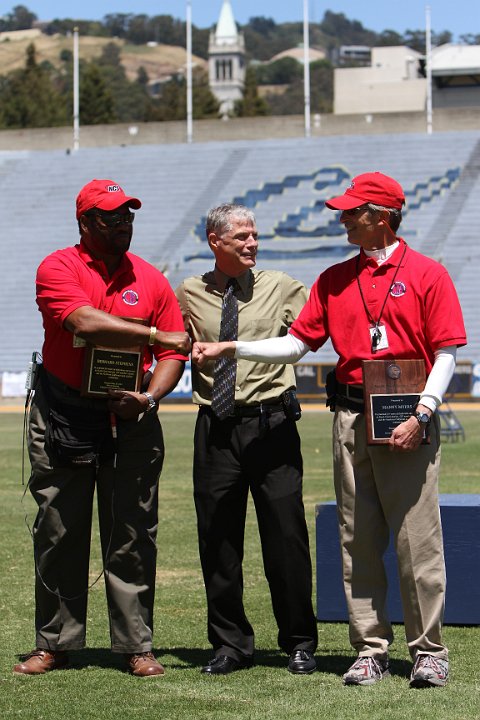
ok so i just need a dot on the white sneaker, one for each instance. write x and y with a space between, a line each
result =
366 671
429 671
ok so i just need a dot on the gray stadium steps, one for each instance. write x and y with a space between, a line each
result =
286 181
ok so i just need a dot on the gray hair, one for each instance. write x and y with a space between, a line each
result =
395 215
219 219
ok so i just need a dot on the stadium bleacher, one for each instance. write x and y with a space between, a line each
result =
284 181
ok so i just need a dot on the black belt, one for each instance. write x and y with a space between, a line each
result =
354 392
60 392
249 410
351 397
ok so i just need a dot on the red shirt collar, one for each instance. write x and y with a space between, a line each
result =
393 260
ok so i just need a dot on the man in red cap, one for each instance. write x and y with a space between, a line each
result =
386 302
86 433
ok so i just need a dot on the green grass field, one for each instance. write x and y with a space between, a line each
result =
96 685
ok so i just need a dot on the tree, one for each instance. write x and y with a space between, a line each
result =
389 38
442 38
416 39
19 19
470 39
117 24
264 39
165 29
29 98
205 104
251 104
138 32
172 104
345 31
200 42
66 55
291 102
96 101
262 25
93 28
142 77
280 72
130 99
111 57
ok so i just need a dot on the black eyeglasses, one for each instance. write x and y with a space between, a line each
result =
111 219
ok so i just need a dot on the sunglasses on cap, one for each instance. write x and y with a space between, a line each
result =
112 219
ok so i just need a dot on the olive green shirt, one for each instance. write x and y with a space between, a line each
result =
268 303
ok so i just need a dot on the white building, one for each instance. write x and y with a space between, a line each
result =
226 60
395 81
456 75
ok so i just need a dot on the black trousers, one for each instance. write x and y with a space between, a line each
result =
232 457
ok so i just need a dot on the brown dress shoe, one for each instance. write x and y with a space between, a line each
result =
144 665
39 662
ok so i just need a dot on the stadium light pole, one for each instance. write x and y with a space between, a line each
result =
189 73
76 94
306 67
428 53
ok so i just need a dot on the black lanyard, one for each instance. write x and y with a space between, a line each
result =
377 334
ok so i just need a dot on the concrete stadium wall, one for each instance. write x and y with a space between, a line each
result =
264 128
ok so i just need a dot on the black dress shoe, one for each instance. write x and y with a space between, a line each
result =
302 662
224 664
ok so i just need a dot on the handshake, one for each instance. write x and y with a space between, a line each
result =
202 352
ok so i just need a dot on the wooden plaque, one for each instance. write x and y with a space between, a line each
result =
107 369
392 389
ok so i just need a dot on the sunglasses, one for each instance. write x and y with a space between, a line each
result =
355 211
111 219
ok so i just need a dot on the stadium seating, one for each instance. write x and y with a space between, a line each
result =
284 181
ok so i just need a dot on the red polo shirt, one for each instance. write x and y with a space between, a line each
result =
70 278
421 313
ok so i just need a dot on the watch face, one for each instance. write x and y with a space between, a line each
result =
423 417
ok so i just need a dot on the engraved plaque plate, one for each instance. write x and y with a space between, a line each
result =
111 369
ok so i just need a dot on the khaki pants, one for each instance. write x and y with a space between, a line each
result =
379 491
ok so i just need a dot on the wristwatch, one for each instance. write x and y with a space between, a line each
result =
422 418
152 405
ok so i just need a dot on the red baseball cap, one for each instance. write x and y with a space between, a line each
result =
372 187
105 195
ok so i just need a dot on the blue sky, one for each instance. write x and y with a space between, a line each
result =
459 17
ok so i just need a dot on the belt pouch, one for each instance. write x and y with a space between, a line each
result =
77 436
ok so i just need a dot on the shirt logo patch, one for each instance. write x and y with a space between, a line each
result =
113 188
398 289
130 297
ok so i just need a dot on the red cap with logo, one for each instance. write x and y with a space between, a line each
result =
104 195
373 188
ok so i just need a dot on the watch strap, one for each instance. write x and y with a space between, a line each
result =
422 418
152 405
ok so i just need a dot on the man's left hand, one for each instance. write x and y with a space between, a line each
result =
127 405
407 436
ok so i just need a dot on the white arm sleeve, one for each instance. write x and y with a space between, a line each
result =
439 378
279 350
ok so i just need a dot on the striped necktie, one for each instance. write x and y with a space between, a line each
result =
225 371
